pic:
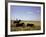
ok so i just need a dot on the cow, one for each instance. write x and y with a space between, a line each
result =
30 25
19 24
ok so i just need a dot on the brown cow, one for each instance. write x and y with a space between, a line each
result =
30 25
19 24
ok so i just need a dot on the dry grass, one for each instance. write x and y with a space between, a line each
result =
37 26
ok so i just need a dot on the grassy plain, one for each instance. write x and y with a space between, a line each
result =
37 26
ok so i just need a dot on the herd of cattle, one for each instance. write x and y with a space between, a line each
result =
18 24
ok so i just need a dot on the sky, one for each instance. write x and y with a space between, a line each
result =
32 13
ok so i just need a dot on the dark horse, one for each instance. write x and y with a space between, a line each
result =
17 21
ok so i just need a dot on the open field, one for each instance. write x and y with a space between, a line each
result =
34 25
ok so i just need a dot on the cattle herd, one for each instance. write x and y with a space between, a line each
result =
18 24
